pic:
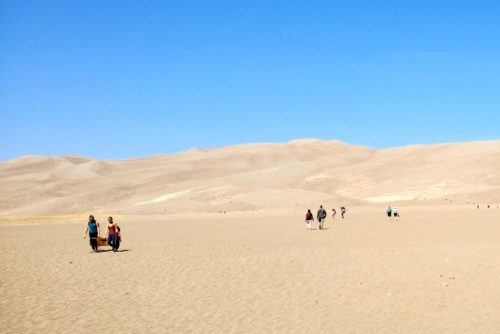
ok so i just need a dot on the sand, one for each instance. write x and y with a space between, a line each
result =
185 268
252 176
435 270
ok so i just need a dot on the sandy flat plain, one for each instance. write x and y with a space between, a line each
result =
435 270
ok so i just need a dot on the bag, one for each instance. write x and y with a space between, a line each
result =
102 241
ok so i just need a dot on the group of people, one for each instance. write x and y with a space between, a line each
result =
488 206
321 216
391 212
113 235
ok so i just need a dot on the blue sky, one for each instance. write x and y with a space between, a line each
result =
120 79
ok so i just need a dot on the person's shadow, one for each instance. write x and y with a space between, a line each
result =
110 250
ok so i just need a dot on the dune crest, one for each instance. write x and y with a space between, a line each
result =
251 176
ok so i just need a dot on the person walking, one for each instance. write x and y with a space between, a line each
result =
389 211
396 212
93 231
113 234
321 216
334 212
342 211
309 220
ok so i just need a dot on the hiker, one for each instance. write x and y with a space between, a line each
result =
93 230
321 216
113 234
396 213
309 220
334 212
389 212
342 211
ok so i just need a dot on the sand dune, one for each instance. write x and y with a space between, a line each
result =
252 176
255 269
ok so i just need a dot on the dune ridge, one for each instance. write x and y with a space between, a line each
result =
252 176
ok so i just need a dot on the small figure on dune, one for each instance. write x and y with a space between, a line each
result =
309 219
334 212
321 216
389 211
396 212
93 230
342 211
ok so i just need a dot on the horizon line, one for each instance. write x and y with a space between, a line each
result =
213 148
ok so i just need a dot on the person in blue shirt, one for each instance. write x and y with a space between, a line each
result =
93 230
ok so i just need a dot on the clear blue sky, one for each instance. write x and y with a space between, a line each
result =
119 79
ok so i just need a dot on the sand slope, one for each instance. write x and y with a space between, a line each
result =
297 173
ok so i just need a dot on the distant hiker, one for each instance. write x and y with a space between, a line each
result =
389 212
309 219
321 216
396 213
113 234
334 212
93 230
342 211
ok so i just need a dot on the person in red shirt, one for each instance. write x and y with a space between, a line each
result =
113 234
309 219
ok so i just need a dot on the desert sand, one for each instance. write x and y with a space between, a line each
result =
186 268
252 176
435 270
